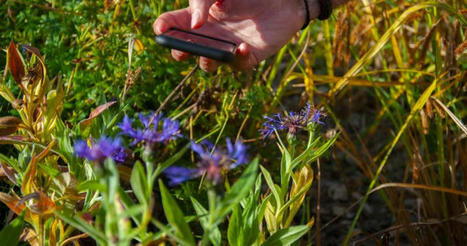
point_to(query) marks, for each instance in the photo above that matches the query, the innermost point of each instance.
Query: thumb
(199, 12)
(245, 58)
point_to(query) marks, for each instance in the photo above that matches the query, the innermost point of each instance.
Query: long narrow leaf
(286, 236)
(272, 187)
(10, 233)
(215, 234)
(175, 216)
(239, 190)
(83, 226)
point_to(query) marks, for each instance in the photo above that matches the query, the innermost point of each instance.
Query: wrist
(319, 9)
(313, 9)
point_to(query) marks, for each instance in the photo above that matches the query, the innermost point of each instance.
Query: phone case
(195, 49)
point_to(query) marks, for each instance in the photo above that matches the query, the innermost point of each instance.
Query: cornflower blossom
(150, 133)
(100, 150)
(213, 161)
(292, 122)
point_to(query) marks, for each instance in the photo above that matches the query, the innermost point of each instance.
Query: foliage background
(369, 67)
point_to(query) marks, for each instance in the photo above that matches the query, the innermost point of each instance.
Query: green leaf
(82, 225)
(11, 162)
(65, 147)
(10, 233)
(244, 222)
(49, 170)
(91, 185)
(286, 166)
(286, 236)
(214, 233)
(175, 216)
(112, 179)
(311, 154)
(128, 202)
(238, 191)
(234, 231)
(272, 186)
(169, 232)
(138, 181)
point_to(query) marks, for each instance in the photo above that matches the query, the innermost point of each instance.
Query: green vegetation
(390, 76)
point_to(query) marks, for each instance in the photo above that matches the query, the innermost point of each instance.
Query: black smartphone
(198, 44)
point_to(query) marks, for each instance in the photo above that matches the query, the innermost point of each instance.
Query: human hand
(260, 27)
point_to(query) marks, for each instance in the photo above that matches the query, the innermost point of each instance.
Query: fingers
(244, 59)
(178, 18)
(208, 65)
(180, 55)
(199, 12)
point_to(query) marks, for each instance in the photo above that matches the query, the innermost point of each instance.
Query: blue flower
(212, 162)
(292, 122)
(316, 116)
(236, 152)
(178, 175)
(150, 133)
(101, 150)
(272, 124)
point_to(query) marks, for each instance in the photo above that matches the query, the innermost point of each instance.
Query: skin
(260, 27)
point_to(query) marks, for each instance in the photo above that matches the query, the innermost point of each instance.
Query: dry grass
(409, 56)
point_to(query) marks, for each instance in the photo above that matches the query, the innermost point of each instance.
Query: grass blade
(416, 108)
(385, 38)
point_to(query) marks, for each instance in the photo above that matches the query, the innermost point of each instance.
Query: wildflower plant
(112, 154)
(99, 177)
(150, 133)
(292, 121)
(148, 179)
(295, 171)
(41, 187)
(88, 195)
(99, 151)
(213, 162)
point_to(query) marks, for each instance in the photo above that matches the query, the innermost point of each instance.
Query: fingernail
(162, 28)
(195, 18)
(219, 3)
(242, 49)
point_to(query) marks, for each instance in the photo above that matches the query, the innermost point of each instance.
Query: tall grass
(399, 50)
(408, 58)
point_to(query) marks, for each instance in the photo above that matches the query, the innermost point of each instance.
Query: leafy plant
(76, 166)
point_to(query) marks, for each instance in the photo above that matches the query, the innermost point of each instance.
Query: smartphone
(198, 44)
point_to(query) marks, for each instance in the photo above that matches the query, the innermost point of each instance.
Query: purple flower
(101, 150)
(293, 121)
(213, 161)
(155, 129)
(178, 175)
(236, 152)
(316, 116)
(272, 124)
